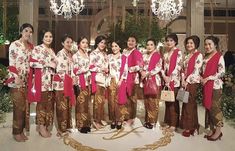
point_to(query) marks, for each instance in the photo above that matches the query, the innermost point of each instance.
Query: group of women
(37, 74)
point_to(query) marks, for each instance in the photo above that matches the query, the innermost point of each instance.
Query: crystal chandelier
(167, 9)
(67, 7)
(134, 2)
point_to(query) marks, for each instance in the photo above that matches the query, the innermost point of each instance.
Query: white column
(195, 20)
(28, 13)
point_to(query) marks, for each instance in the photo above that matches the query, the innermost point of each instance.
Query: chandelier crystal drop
(67, 7)
(167, 9)
(134, 2)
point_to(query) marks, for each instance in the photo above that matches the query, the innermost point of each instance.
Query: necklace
(210, 55)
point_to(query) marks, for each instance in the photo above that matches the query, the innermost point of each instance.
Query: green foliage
(2, 116)
(139, 28)
(228, 106)
(227, 98)
(199, 95)
(228, 102)
(12, 22)
(3, 74)
(1, 19)
(2, 39)
(5, 101)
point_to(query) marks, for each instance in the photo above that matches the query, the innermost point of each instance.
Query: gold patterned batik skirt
(20, 110)
(172, 112)
(98, 104)
(132, 103)
(214, 116)
(189, 117)
(151, 104)
(117, 112)
(45, 109)
(82, 115)
(63, 111)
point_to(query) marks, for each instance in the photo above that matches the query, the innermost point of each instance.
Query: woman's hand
(119, 82)
(184, 84)
(167, 79)
(143, 74)
(204, 81)
(53, 65)
(106, 70)
(18, 81)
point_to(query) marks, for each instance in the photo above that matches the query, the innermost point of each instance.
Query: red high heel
(197, 130)
(186, 133)
(215, 139)
(191, 132)
(148, 125)
(206, 136)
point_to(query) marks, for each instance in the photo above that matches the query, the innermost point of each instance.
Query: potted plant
(5, 102)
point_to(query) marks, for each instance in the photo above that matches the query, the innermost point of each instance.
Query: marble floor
(129, 138)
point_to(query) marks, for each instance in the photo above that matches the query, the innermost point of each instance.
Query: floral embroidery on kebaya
(114, 66)
(218, 82)
(175, 76)
(156, 70)
(47, 62)
(18, 59)
(81, 65)
(64, 66)
(194, 77)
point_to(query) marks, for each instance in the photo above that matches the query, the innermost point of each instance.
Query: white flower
(74, 48)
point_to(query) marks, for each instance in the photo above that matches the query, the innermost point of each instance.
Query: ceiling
(220, 3)
(141, 3)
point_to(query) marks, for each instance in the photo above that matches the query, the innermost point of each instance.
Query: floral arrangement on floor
(74, 48)
(228, 101)
(2, 39)
(5, 101)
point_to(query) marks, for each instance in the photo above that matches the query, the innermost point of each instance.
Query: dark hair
(98, 39)
(42, 33)
(23, 26)
(133, 36)
(65, 37)
(80, 39)
(229, 59)
(214, 39)
(151, 39)
(172, 36)
(195, 39)
(118, 42)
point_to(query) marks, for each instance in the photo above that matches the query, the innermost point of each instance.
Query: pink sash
(82, 81)
(211, 69)
(36, 75)
(30, 45)
(172, 66)
(68, 89)
(57, 78)
(93, 82)
(122, 97)
(152, 64)
(134, 59)
(14, 70)
(191, 64)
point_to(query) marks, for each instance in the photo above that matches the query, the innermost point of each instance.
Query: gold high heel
(18, 138)
(215, 139)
